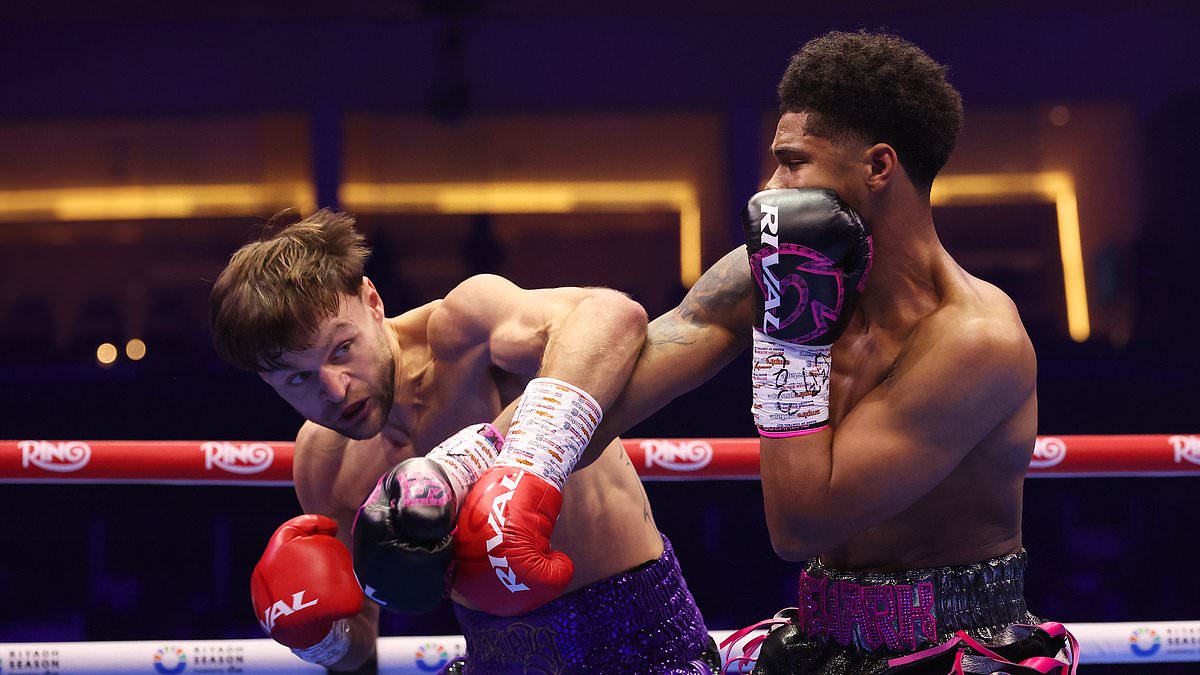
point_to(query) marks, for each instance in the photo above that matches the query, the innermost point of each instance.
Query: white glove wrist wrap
(552, 426)
(331, 649)
(466, 455)
(791, 387)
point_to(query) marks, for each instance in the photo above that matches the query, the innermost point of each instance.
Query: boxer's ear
(882, 165)
(372, 300)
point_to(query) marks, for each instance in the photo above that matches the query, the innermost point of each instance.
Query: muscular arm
(589, 337)
(319, 453)
(685, 347)
(956, 382)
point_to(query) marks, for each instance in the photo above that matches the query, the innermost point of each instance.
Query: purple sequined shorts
(915, 621)
(640, 621)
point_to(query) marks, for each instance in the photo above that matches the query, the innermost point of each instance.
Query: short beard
(387, 395)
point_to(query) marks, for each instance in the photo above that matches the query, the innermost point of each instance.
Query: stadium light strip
(542, 197)
(1055, 187)
(188, 201)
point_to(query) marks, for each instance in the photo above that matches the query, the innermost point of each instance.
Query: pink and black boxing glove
(810, 255)
(404, 532)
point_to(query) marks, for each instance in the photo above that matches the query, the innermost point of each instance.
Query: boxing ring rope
(257, 463)
(1132, 642)
(270, 463)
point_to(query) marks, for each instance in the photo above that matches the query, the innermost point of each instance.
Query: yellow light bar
(153, 201)
(1056, 187)
(550, 197)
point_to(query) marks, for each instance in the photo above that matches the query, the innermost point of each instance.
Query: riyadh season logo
(170, 659)
(1187, 448)
(218, 658)
(39, 661)
(677, 456)
(61, 457)
(239, 458)
(430, 657)
(1144, 642)
(1047, 452)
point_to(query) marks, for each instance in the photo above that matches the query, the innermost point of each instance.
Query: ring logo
(239, 458)
(681, 456)
(1144, 642)
(1187, 448)
(430, 657)
(61, 457)
(1047, 452)
(170, 659)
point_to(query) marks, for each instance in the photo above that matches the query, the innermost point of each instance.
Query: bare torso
(605, 527)
(975, 512)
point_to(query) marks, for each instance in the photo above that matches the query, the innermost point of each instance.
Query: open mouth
(352, 413)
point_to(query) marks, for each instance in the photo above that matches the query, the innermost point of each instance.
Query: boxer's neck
(908, 262)
(413, 362)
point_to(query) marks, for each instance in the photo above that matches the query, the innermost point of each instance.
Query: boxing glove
(404, 531)
(505, 565)
(303, 588)
(810, 255)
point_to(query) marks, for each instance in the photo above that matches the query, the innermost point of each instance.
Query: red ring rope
(270, 463)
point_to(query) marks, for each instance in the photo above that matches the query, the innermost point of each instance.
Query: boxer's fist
(304, 582)
(505, 565)
(810, 255)
(504, 562)
(403, 535)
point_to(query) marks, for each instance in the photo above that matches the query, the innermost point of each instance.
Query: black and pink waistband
(962, 619)
(899, 612)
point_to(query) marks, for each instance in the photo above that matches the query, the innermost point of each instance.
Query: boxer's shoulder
(318, 447)
(456, 322)
(319, 456)
(977, 336)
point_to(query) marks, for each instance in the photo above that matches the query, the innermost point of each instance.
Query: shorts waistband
(894, 612)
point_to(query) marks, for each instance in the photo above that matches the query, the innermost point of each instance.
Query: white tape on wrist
(466, 455)
(552, 426)
(790, 387)
(331, 649)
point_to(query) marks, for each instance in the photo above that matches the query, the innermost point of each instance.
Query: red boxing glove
(503, 559)
(504, 562)
(303, 585)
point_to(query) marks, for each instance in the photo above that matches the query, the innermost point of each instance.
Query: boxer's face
(345, 380)
(807, 161)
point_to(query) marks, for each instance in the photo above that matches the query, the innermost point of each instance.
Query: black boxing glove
(810, 255)
(404, 531)
(786, 649)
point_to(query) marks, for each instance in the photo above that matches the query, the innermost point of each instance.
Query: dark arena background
(607, 143)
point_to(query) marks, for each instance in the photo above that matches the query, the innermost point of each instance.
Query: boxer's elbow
(796, 544)
(624, 315)
(797, 536)
(791, 549)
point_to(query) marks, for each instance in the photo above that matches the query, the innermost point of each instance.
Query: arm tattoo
(666, 330)
(722, 295)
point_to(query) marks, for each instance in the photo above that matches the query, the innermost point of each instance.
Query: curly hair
(274, 293)
(876, 88)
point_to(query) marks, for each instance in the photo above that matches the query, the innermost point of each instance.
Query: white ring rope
(1100, 643)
